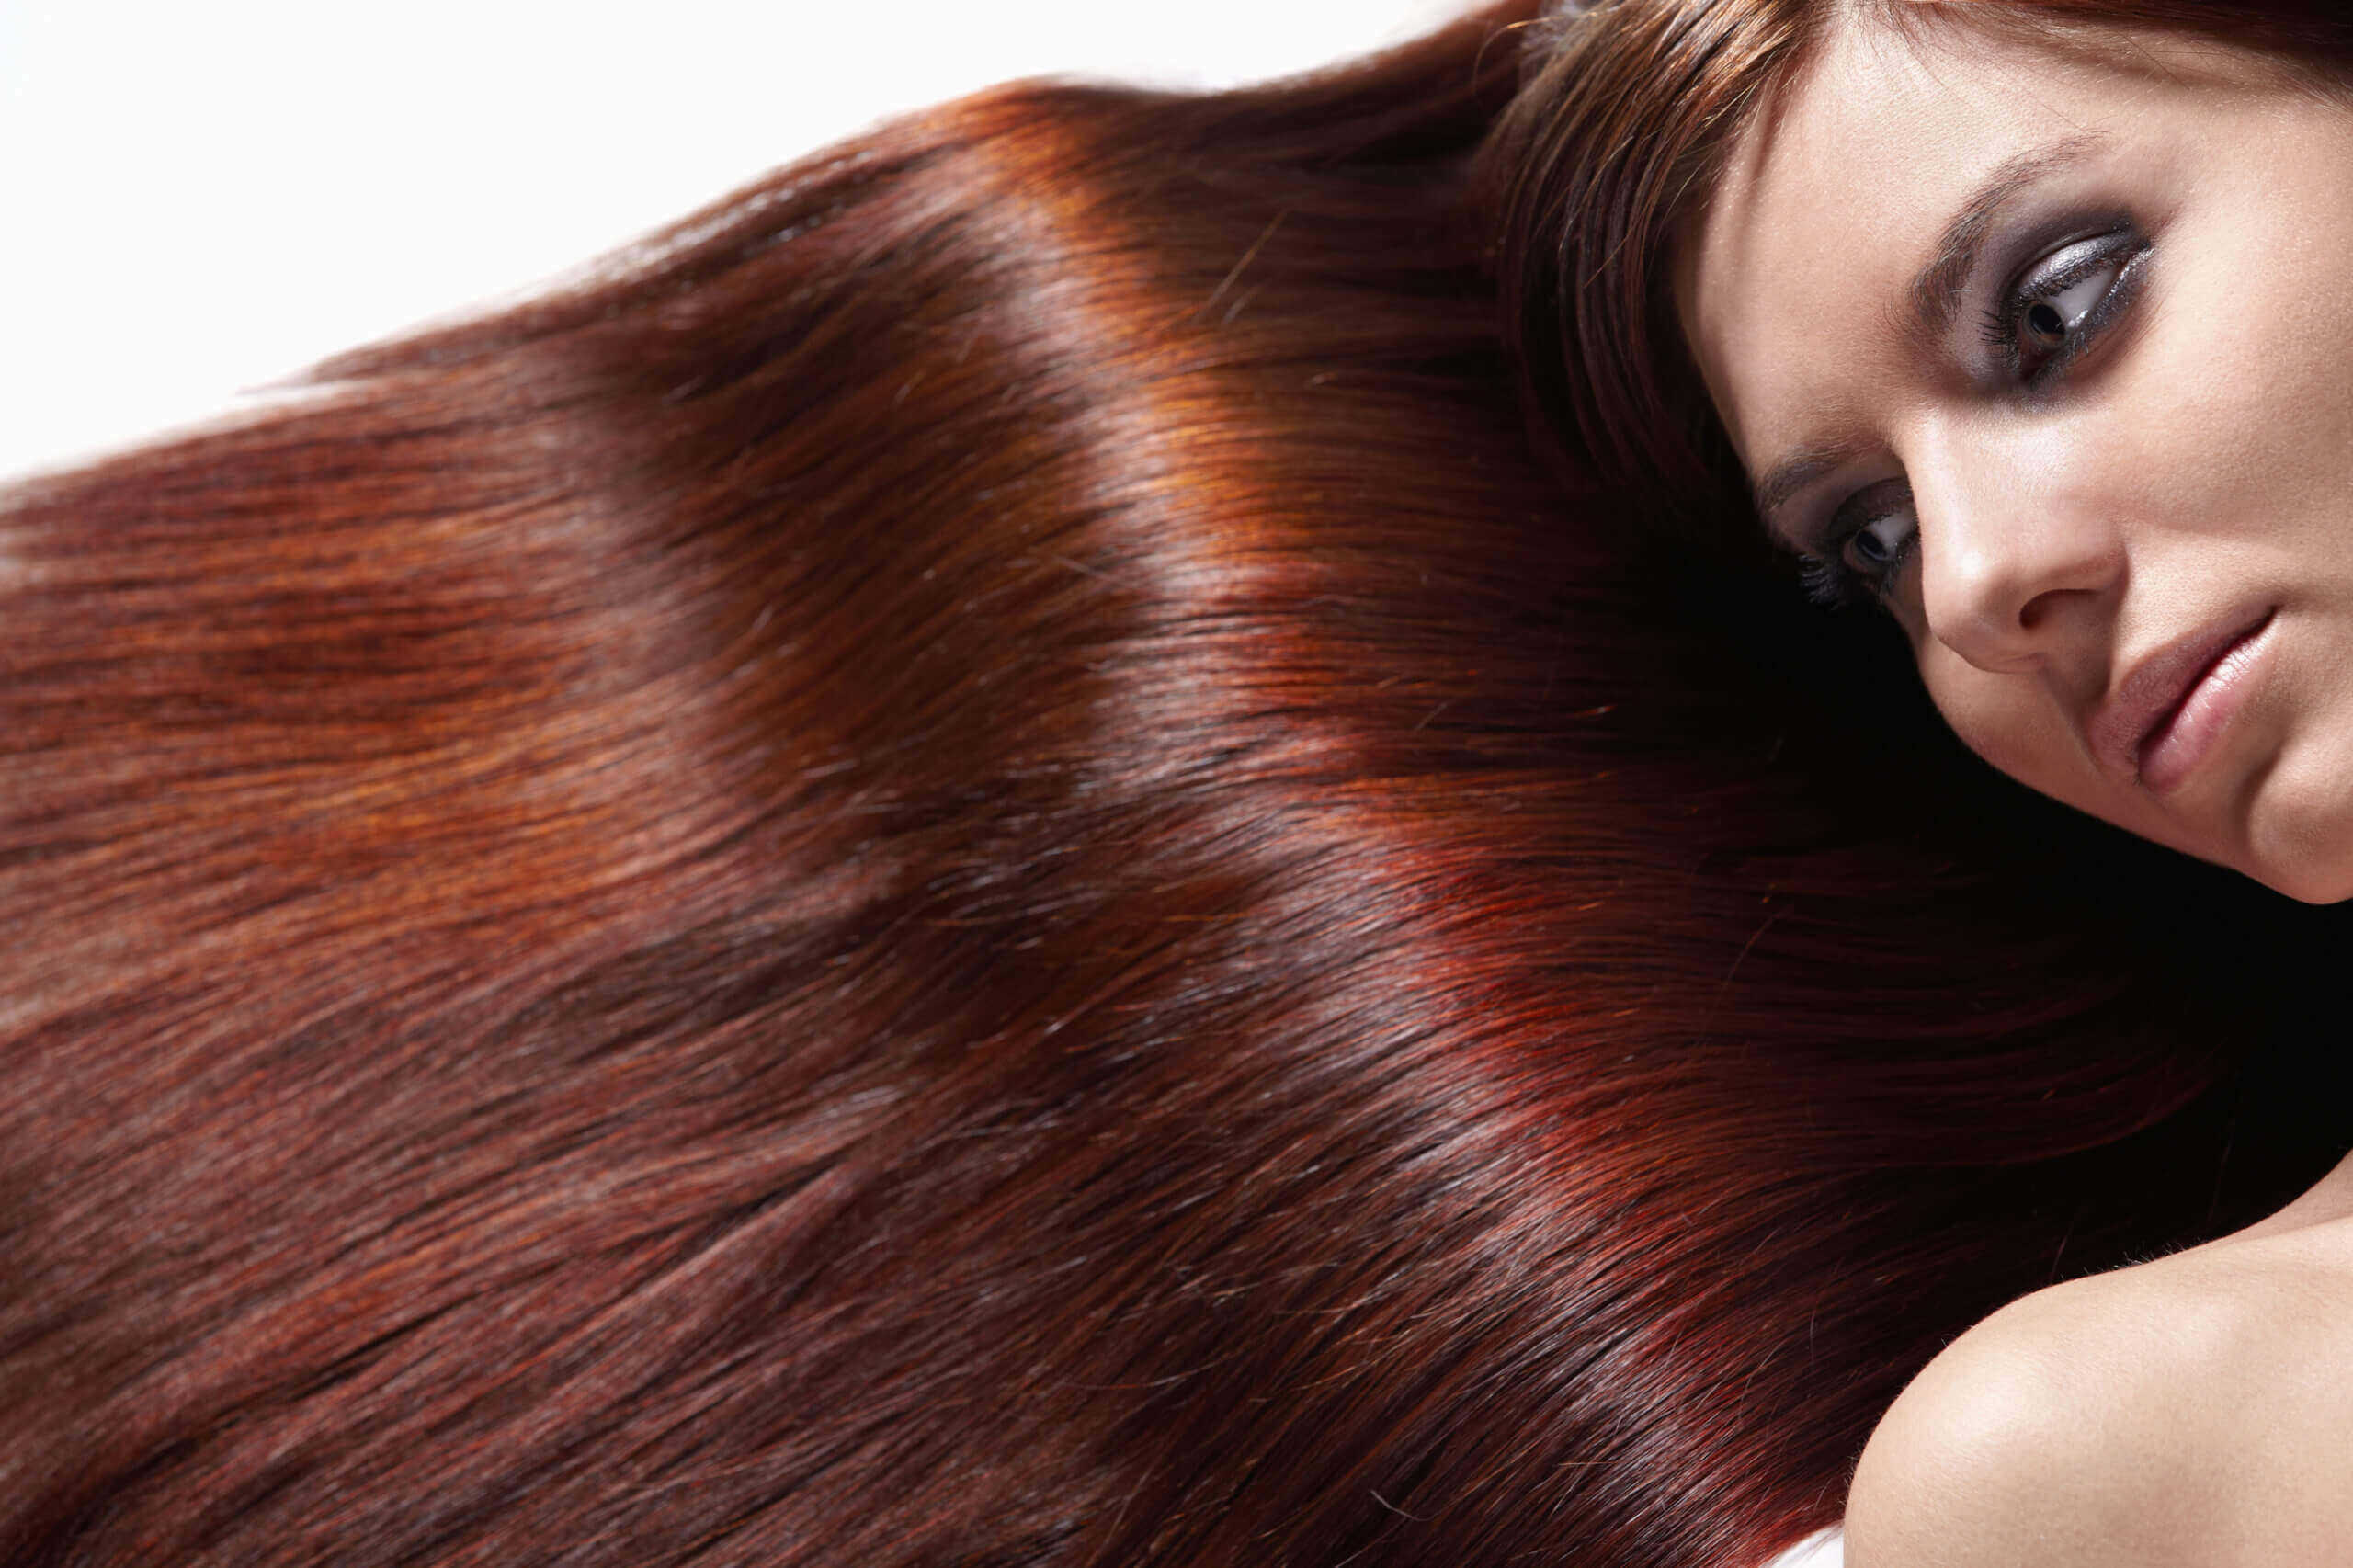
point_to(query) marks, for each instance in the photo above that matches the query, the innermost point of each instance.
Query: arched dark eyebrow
(1797, 471)
(1936, 292)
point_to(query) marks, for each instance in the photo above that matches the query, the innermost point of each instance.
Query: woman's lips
(2166, 715)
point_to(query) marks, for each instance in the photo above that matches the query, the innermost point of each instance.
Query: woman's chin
(2305, 889)
(2299, 826)
(2311, 867)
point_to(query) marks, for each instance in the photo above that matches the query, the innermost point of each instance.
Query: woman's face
(2050, 351)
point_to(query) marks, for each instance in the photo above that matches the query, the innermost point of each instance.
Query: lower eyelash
(1833, 585)
(1827, 583)
(1999, 325)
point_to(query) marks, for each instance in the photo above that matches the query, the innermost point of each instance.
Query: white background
(202, 197)
(198, 197)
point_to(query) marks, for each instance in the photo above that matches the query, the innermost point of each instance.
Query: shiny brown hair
(968, 866)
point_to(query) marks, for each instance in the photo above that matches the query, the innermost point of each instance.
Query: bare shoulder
(2194, 1410)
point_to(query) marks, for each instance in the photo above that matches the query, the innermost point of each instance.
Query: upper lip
(2155, 689)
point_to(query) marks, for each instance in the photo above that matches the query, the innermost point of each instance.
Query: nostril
(2036, 610)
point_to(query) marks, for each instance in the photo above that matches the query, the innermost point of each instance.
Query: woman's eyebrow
(1795, 471)
(1936, 293)
(1936, 299)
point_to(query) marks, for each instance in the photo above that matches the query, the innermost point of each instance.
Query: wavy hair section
(966, 866)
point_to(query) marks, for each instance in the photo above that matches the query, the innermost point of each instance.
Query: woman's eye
(2064, 300)
(1875, 551)
(1864, 548)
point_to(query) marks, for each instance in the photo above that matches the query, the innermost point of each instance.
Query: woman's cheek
(2014, 722)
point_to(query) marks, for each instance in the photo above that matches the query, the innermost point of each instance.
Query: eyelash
(2122, 248)
(1826, 577)
(1829, 582)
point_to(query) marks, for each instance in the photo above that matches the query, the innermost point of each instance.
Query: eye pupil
(1870, 547)
(2045, 323)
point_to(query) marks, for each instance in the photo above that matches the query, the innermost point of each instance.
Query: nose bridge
(2006, 551)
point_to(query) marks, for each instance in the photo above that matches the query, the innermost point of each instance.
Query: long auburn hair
(969, 865)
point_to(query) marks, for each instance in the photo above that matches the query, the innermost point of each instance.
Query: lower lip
(2168, 756)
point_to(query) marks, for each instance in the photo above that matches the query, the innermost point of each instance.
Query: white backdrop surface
(200, 197)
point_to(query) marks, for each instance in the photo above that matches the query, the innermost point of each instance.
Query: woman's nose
(2014, 572)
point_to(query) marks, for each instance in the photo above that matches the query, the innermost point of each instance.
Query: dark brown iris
(2045, 326)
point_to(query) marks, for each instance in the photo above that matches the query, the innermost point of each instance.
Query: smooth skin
(2047, 347)
(2180, 472)
(2195, 1412)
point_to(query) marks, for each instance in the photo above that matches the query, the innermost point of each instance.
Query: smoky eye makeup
(2070, 283)
(1858, 555)
(2061, 288)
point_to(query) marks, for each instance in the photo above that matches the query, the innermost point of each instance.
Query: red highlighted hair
(968, 866)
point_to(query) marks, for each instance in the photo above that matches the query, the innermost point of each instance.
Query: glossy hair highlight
(966, 866)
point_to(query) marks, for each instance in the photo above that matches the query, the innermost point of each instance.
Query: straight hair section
(966, 867)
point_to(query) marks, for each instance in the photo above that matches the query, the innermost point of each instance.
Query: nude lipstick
(2167, 715)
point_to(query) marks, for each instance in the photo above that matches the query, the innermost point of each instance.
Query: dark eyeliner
(2110, 243)
(1822, 570)
(2125, 250)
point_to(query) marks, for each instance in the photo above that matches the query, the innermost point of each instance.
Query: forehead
(1793, 282)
